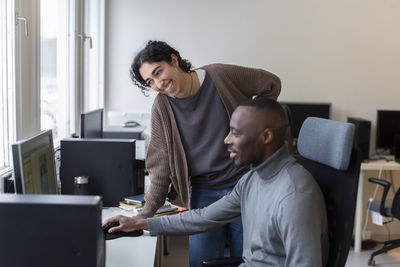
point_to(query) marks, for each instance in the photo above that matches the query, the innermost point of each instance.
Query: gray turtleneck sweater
(283, 215)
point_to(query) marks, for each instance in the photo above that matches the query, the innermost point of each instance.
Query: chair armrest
(222, 262)
(386, 186)
(380, 182)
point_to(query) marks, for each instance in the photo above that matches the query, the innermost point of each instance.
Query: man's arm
(194, 221)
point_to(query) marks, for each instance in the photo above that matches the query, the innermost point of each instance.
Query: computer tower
(51, 230)
(110, 165)
(397, 148)
(361, 136)
(114, 132)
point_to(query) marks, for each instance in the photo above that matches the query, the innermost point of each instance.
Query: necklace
(191, 83)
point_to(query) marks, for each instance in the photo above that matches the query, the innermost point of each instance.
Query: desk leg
(158, 259)
(359, 212)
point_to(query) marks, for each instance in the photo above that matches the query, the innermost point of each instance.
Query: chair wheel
(371, 262)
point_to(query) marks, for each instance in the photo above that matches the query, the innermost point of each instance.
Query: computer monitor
(92, 124)
(387, 127)
(34, 165)
(51, 230)
(110, 165)
(300, 111)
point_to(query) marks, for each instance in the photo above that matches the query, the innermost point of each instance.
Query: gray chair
(325, 149)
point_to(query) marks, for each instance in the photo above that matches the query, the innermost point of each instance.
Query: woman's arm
(157, 163)
(244, 80)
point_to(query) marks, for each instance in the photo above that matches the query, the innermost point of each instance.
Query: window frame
(7, 83)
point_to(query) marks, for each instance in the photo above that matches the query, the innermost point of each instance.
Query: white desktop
(129, 251)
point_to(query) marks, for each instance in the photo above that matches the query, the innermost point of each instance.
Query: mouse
(130, 124)
(109, 236)
(109, 226)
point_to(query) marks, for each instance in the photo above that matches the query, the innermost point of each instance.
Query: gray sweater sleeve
(300, 229)
(195, 221)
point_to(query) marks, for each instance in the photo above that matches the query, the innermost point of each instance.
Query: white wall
(346, 52)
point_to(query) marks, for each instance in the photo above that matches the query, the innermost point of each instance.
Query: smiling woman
(153, 60)
(168, 79)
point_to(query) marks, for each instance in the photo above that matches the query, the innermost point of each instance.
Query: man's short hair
(266, 104)
(279, 120)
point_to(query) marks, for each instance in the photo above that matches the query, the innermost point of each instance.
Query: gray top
(203, 124)
(283, 215)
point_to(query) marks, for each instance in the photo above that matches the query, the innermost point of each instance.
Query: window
(94, 54)
(6, 84)
(48, 72)
(56, 57)
(55, 65)
(71, 62)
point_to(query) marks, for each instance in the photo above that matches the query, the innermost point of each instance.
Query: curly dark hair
(155, 51)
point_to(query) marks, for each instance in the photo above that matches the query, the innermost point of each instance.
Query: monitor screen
(300, 111)
(34, 165)
(51, 230)
(92, 124)
(387, 127)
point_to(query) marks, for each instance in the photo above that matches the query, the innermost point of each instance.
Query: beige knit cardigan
(165, 159)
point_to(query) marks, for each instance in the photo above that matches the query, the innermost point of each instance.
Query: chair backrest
(396, 205)
(325, 148)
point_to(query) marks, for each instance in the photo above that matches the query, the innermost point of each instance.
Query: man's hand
(127, 224)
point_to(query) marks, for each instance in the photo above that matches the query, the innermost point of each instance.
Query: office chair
(388, 209)
(325, 150)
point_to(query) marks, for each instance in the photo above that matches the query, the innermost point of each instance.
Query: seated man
(282, 207)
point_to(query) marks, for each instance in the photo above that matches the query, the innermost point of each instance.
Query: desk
(368, 166)
(129, 251)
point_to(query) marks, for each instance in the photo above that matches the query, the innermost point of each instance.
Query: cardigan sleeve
(237, 84)
(157, 163)
(253, 82)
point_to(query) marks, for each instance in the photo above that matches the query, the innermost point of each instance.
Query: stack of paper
(137, 202)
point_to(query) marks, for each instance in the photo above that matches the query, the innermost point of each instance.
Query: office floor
(384, 260)
(178, 245)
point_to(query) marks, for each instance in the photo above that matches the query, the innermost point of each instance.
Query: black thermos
(81, 185)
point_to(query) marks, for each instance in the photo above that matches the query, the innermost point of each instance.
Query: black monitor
(34, 165)
(51, 230)
(387, 128)
(109, 163)
(300, 111)
(92, 124)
